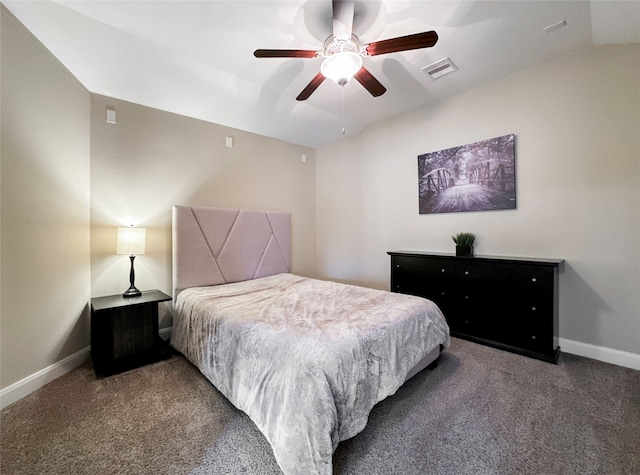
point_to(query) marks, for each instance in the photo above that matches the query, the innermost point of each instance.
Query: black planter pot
(464, 250)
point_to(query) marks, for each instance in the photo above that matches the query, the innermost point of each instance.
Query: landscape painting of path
(478, 176)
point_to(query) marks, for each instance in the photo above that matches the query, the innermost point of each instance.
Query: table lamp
(131, 242)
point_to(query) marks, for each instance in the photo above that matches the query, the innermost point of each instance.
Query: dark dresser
(509, 303)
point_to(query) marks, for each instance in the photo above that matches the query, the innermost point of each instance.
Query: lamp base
(132, 292)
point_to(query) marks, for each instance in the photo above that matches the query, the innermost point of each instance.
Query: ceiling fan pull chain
(342, 110)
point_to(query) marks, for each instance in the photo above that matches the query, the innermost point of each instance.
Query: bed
(305, 359)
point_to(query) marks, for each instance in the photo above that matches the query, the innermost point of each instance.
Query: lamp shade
(131, 241)
(341, 67)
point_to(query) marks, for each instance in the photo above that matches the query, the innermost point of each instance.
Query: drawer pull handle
(398, 266)
(533, 337)
(466, 321)
(442, 270)
(466, 272)
(534, 280)
(442, 293)
(466, 297)
(398, 286)
(533, 308)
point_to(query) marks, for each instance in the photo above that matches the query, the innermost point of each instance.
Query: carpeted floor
(481, 411)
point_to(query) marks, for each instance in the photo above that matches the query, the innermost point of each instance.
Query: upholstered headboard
(214, 246)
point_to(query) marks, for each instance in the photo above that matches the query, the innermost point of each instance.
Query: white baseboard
(26, 386)
(600, 353)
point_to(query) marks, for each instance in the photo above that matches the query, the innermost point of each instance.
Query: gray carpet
(481, 411)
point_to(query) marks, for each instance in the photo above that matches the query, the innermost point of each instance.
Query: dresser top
(448, 255)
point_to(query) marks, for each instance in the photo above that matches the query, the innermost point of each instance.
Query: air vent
(440, 68)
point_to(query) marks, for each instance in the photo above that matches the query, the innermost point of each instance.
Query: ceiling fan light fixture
(341, 67)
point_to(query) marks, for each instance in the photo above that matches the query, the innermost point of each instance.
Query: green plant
(464, 239)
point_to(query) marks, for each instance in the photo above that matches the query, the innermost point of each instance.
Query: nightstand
(124, 332)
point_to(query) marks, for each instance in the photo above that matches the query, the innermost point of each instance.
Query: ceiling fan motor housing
(333, 45)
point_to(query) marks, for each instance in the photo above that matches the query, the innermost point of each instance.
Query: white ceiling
(195, 58)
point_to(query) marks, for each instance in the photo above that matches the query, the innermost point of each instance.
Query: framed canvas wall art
(479, 176)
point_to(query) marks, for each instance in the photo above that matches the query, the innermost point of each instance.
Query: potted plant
(464, 243)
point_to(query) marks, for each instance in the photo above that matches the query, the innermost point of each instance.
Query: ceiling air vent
(440, 68)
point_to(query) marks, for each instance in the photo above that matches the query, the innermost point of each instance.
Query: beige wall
(44, 207)
(577, 126)
(150, 160)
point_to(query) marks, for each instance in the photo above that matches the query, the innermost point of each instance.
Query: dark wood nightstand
(124, 332)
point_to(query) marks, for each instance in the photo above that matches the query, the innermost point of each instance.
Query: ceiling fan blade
(343, 11)
(402, 43)
(370, 83)
(312, 86)
(285, 53)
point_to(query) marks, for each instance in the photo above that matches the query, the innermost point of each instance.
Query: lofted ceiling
(195, 58)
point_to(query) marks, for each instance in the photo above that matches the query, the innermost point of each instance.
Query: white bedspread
(306, 359)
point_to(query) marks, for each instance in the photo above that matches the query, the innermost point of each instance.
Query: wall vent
(440, 68)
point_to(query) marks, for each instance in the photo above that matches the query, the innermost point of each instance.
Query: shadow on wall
(45, 241)
(580, 299)
(79, 331)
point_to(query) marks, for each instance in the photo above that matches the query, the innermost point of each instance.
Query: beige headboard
(213, 246)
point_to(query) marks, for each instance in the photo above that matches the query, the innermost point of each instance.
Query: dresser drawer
(432, 279)
(424, 277)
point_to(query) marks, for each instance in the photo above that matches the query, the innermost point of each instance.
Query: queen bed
(305, 359)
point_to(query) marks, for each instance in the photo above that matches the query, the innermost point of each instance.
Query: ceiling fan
(343, 53)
